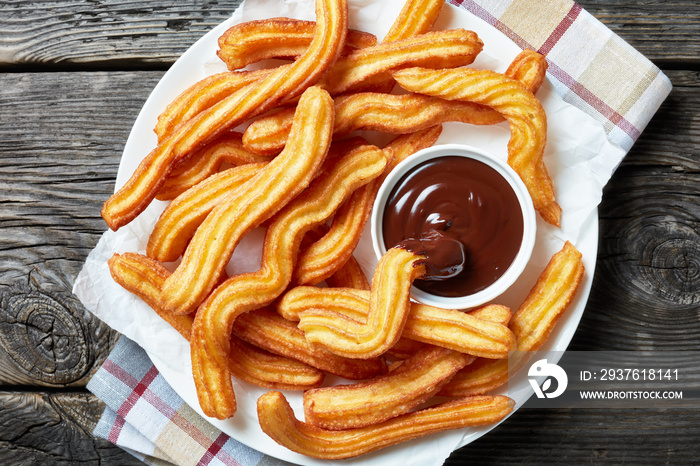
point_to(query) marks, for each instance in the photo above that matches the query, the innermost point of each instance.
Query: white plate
(570, 156)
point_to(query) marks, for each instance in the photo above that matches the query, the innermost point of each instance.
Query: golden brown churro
(528, 122)
(416, 17)
(448, 328)
(396, 114)
(282, 83)
(278, 421)
(256, 201)
(374, 401)
(456, 47)
(389, 306)
(179, 221)
(532, 322)
(242, 293)
(252, 41)
(144, 277)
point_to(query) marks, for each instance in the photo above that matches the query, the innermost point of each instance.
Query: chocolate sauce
(463, 216)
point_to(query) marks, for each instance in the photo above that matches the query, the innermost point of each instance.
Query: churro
(256, 201)
(396, 114)
(282, 83)
(389, 306)
(245, 292)
(531, 323)
(278, 421)
(528, 122)
(374, 401)
(337, 308)
(437, 49)
(252, 41)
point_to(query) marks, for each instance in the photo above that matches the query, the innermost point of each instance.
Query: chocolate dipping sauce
(463, 215)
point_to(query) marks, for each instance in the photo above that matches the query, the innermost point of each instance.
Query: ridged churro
(252, 41)
(319, 260)
(530, 68)
(531, 323)
(202, 95)
(181, 218)
(206, 162)
(385, 397)
(245, 292)
(278, 421)
(528, 122)
(144, 277)
(448, 328)
(265, 329)
(416, 17)
(455, 47)
(256, 201)
(282, 83)
(388, 309)
(396, 114)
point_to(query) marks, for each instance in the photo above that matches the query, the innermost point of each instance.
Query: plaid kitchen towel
(590, 67)
(148, 419)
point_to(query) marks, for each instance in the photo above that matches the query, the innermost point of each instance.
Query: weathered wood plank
(645, 293)
(54, 428)
(127, 34)
(57, 165)
(615, 436)
(109, 34)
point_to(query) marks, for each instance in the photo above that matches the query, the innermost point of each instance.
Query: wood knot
(673, 268)
(43, 337)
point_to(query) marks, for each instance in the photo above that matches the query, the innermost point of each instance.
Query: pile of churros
(277, 148)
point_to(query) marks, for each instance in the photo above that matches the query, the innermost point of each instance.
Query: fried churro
(371, 402)
(477, 335)
(256, 201)
(389, 306)
(416, 17)
(144, 277)
(531, 323)
(528, 122)
(456, 47)
(278, 421)
(396, 114)
(282, 83)
(252, 41)
(245, 292)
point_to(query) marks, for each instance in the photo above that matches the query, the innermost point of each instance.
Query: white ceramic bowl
(529, 222)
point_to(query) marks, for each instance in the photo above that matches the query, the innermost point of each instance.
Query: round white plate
(569, 170)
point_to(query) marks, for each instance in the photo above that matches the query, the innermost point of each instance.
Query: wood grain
(104, 34)
(73, 76)
(54, 428)
(137, 35)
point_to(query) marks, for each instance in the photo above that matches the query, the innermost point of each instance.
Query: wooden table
(73, 76)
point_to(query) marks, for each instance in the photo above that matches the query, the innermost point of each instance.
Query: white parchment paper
(579, 157)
